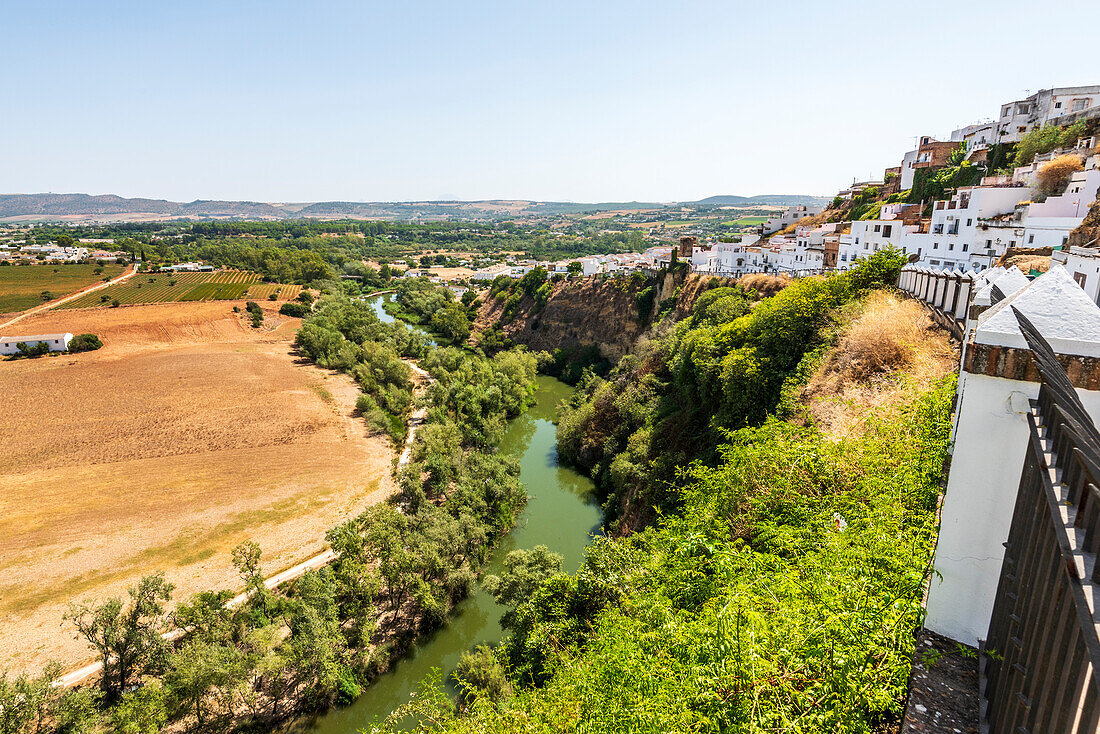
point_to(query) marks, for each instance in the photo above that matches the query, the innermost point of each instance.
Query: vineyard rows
(221, 285)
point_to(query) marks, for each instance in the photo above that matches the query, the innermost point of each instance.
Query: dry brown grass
(764, 285)
(186, 434)
(889, 346)
(1053, 176)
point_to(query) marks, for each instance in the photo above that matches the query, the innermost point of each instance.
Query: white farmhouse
(56, 342)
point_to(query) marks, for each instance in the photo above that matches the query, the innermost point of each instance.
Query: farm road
(52, 304)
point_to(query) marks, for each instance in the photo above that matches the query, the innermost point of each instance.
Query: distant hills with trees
(82, 207)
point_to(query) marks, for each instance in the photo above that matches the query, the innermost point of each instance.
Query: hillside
(54, 207)
(780, 587)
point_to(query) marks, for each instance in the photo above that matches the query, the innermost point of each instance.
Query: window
(887, 229)
(989, 243)
(965, 247)
(1030, 238)
(950, 245)
(935, 245)
(969, 222)
(1057, 105)
(1079, 104)
(878, 227)
(1022, 129)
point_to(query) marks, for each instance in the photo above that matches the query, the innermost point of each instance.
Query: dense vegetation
(721, 369)
(422, 302)
(783, 596)
(346, 335)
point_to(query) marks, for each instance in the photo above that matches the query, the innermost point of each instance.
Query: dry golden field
(186, 434)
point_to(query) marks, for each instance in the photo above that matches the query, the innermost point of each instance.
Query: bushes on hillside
(85, 343)
(782, 596)
(296, 310)
(1054, 175)
(723, 368)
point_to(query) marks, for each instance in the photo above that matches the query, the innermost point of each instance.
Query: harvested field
(21, 286)
(221, 285)
(188, 433)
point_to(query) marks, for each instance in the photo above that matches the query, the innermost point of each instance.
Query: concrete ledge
(1013, 363)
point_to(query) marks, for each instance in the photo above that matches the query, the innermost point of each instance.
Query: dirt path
(416, 420)
(75, 294)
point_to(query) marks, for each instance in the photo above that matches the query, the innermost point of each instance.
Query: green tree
(203, 679)
(524, 571)
(480, 675)
(126, 637)
(141, 711)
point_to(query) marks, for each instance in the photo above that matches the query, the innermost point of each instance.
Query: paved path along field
(77, 294)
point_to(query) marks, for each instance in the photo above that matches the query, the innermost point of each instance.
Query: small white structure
(56, 342)
(991, 436)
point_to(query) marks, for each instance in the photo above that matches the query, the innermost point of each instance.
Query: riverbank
(562, 514)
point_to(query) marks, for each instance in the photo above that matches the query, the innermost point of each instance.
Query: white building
(56, 342)
(490, 273)
(978, 136)
(1045, 106)
(790, 216)
(1048, 223)
(970, 230)
(908, 162)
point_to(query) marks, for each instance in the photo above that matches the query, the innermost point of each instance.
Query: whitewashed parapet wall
(946, 292)
(997, 381)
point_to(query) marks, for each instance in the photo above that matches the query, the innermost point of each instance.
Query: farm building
(56, 342)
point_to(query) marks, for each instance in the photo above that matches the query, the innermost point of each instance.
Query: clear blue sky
(582, 101)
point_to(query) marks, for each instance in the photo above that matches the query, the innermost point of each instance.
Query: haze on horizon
(614, 101)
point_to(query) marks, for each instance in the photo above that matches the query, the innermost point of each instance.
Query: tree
(85, 343)
(480, 675)
(26, 702)
(246, 559)
(76, 711)
(141, 711)
(524, 570)
(206, 616)
(575, 268)
(202, 679)
(126, 638)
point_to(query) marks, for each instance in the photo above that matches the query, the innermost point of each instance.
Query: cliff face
(585, 311)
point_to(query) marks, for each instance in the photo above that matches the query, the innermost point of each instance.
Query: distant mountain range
(109, 207)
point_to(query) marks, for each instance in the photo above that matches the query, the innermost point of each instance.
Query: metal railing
(1041, 658)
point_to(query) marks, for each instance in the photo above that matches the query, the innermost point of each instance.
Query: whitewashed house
(1048, 223)
(790, 216)
(56, 342)
(970, 230)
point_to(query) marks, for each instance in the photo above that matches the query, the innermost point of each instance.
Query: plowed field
(186, 434)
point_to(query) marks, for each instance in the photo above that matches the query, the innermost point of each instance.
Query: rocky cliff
(593, 311)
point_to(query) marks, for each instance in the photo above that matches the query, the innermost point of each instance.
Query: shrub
(296, 310)
(1053, 176)
(85, 343)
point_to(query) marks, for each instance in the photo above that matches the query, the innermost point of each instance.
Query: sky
(566, 101)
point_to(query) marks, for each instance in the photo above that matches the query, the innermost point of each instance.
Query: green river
(562, 514)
